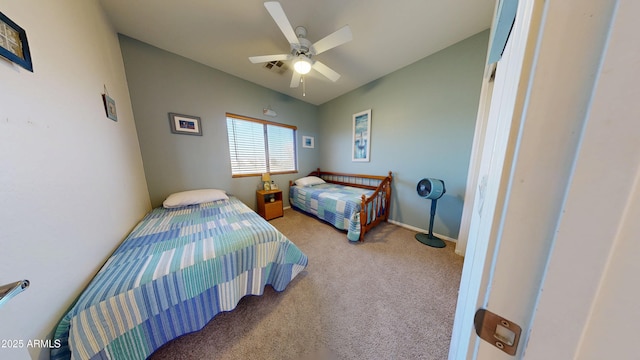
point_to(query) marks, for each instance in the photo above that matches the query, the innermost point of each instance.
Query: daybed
(351, 202)
(176, 270)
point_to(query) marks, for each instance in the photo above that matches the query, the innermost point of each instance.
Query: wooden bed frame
(379, 201)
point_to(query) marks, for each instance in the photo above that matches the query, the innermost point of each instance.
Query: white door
(491, 165)
(542, 95)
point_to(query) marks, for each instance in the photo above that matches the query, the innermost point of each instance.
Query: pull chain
(304, 86)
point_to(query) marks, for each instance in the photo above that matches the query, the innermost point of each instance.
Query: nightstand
(269, 209)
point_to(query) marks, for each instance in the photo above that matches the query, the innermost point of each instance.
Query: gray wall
(161, 82)
(423, 120)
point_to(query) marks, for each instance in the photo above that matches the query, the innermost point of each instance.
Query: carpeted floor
(390, 297)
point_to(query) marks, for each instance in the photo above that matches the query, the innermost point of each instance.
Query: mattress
(174, 272)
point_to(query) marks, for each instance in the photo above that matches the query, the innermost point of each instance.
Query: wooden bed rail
(356, 180)
(375, 208)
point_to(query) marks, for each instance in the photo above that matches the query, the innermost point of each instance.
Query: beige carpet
(390, 297)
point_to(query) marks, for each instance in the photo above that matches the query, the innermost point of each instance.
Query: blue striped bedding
(339, 205)
(176, 270)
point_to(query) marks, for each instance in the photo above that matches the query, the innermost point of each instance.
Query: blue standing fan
(431, 189)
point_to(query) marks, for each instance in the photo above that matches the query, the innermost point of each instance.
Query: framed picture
(13, 43)
(110, 107)
(185, 124)
(361, 142)
(307, 142)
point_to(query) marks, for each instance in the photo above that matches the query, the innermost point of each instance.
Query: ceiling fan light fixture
(302, 65)
(301, 49)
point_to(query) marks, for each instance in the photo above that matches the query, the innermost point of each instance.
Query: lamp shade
(266, 177)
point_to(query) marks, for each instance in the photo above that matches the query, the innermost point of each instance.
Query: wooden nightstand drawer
(273, 209)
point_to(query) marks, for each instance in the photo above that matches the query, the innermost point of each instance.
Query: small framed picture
(307, 142)
(185, 124)
(110, 107)
(13, 43)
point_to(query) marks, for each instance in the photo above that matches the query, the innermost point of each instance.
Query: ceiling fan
(302, 50)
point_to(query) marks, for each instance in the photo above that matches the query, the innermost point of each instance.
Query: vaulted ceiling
(387, 35)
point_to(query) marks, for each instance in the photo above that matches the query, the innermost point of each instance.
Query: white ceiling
(387, 35)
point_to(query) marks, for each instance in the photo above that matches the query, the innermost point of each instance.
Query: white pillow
(191, 197)
(309, 180)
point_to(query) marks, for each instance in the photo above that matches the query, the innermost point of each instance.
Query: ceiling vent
(276, 66)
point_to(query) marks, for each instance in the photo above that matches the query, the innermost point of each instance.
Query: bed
(175, 271)
(352, 202)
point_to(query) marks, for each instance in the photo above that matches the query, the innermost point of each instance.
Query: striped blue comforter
(176, 270)
(339, 205)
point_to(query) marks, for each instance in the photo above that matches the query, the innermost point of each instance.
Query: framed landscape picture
(361, 142)
(185, 124)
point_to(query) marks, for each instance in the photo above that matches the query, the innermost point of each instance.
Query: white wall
(71, 180)
(614, 320)
(588, 306)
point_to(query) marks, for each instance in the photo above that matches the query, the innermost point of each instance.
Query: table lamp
(266, 181)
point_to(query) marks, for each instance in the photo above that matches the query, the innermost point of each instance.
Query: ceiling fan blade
(269, 58)
(295, 79)
(326, 71)
(337, 38)
(277, 13)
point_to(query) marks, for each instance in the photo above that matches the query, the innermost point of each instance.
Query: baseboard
(417, 229)
(412, 228)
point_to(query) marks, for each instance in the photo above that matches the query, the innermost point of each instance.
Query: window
(259, 146)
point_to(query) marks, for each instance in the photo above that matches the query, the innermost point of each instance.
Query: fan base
(430, 240)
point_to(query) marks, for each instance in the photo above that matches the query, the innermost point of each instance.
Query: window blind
(281, 149)
(259, 146)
